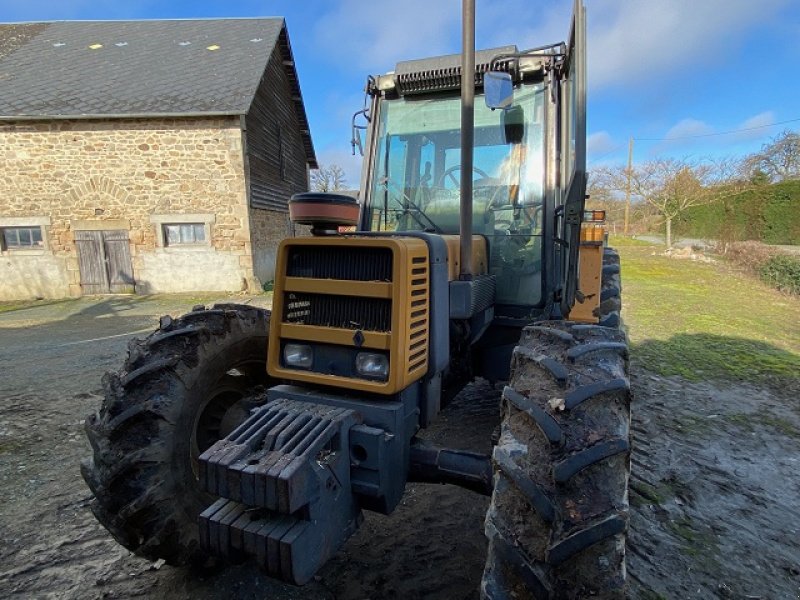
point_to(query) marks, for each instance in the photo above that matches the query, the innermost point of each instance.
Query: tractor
(235, 433)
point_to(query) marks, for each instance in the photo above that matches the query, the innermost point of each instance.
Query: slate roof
(117, 69)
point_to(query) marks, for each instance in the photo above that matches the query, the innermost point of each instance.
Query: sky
(676, 75)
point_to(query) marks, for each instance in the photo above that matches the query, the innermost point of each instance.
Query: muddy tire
(610, 290)
(559, 511)
(181, 389)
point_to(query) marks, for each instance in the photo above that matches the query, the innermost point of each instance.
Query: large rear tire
(181, 389)
(608, 312)
(559, 511)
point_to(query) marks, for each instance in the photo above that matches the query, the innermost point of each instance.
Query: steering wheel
(532, 212)
(449, 173)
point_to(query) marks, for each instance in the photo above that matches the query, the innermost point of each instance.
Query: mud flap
(283, 478)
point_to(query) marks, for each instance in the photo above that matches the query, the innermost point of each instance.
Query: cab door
(572, 176)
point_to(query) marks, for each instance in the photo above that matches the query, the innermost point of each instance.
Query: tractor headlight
(372, 365)
(298, 356)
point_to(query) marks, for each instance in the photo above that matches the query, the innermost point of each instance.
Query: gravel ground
(714, 490)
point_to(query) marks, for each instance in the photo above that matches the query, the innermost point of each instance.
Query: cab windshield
(418, 173)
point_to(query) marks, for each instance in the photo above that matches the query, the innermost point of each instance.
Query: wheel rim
(224, 407)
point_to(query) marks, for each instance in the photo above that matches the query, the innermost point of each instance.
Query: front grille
(340, 262)
(346, 312)
(348, 294)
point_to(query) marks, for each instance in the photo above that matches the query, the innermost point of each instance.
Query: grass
(11, 446)
(697, 542)
(665, 490)
(706, 321)
(651, 595)
(748, 421)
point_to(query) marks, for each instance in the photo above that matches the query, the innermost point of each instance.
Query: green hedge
(770, 214)
(782, 272)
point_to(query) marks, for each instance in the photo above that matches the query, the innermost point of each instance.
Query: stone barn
(147, 156)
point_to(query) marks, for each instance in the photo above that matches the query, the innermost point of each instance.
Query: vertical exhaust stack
(467, 134)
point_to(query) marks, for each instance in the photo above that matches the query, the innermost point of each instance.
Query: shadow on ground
(700, 357)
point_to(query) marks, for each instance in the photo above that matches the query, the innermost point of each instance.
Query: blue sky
(686, 69)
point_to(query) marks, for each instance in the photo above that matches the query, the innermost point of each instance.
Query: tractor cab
(523, 164)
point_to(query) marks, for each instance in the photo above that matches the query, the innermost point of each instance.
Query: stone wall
(268, 228)
(126, 174)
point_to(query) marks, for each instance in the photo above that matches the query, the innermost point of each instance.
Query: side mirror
(355, 140)
(498, 89)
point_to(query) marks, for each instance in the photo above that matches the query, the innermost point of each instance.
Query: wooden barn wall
(273, 111)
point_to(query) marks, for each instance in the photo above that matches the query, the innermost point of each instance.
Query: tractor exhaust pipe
(467, 135)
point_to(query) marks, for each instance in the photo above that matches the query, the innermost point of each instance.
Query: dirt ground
(714, 496)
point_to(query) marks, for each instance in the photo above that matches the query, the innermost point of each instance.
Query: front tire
(181, 389)
(559, 511)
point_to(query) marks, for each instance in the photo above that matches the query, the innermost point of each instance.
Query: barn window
(191, 231)
(178, 234)
(22, 238)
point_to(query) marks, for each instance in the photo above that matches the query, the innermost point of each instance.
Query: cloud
(633, 41)
(341, 155)
(508, 22)
(764, 119)
(693, 134)
(372, 35)
(642, 40)
(686, 133)
(691, 131)
(599, 144)
(756, 126)
(688, 128)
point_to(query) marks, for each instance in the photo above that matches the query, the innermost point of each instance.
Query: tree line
(668, 192)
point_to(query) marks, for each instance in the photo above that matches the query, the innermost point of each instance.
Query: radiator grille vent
(346, 312)
(338, 262)
(418, 316)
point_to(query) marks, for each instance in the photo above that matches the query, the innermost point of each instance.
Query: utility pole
(628, 187)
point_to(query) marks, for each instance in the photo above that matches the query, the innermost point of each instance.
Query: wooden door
(118, 261)
(105, 262)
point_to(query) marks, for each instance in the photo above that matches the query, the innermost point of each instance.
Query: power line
(704, 135)
(602, 156)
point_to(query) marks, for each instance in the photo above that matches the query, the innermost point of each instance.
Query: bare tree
(602, 195)
(779, 159)
(669, 186)
(328, 179)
